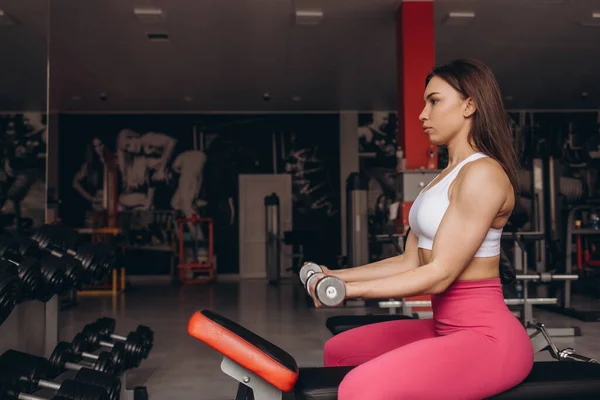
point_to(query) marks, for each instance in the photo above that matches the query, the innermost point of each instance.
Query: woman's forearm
(423, 280)
(377, 270)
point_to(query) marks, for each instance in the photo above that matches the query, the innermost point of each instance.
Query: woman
(474, 347)
(152, 158)
(89, 179)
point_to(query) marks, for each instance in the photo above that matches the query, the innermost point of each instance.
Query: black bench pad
(547, 380)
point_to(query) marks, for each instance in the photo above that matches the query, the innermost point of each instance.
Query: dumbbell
(17, 385)
(7, 394)
(108, 325)
(96, 259)
(308, 270)
(330, 290)
(9, 290)
(114, 362)
(53, 279)
(59, 362)
(72, 267)
(133, 349)
(42, 368)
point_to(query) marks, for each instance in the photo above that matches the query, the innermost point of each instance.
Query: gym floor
(181, 367)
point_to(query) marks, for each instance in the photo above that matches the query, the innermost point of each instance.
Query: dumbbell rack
(32, 328)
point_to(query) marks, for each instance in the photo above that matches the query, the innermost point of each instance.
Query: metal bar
(427, 303)
(548, 278)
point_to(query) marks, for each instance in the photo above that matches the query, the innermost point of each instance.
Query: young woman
(474, 347)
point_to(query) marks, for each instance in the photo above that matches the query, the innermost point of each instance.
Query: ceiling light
(461, 14)
(459, 18)
(149, 14)
(596, 14)
(309, 17)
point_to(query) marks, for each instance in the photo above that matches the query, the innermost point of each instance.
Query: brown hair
(491, 133)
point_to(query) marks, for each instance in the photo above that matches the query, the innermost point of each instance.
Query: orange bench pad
(239, 350)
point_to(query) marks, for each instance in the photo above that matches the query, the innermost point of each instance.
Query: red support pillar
(415, 44)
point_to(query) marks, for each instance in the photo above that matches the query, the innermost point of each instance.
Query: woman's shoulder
(484, 176)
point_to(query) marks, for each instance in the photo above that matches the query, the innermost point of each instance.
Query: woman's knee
(333, 352)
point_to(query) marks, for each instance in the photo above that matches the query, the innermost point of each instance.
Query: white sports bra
(430, 206)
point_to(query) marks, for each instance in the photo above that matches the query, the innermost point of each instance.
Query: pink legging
(473, 348)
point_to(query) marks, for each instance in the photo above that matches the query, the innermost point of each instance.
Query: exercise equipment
(266, 371)
(577, 232)
(53, 278)
(9, 291)
(69, 389)
(111, 362)
(273, 234)
(74, 273)
(21, 380)
(47, 369)
(96, 259)
(357, 225)
(129, 354)
(108, 325)
(7, 394)
(329, 290)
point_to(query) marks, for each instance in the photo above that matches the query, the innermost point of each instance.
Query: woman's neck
(457, 152)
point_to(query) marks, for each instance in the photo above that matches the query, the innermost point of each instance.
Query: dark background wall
(305, 145)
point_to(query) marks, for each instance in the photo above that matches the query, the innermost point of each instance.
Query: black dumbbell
(108, 326)
(53, 279)
(330, 290)
(133, 346)
(23, 380)
(96, 259)
(9, 290)
(44, 369)
(113, 362)
(6, 393)
(72, 267)
(59, 362)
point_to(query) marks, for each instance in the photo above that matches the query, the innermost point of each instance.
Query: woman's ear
(469, 108)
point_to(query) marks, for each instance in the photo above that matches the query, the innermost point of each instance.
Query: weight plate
(307, 270)
(109, 382)
(330, 291)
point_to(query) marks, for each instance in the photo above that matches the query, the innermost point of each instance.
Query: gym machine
(267, 372)
(357, 225)
(273, 238)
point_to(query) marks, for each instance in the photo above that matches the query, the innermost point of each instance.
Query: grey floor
(181, 367)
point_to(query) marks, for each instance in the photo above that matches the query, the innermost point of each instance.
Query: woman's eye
(434, 101)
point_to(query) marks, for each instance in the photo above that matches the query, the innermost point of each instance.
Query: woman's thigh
(359, 345)
(464, 365)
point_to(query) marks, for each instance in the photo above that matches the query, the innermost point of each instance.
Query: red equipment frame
(196, 266)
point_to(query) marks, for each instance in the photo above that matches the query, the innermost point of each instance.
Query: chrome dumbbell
(307, 271)
(330, 291)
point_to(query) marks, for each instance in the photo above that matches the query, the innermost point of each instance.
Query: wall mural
(190, 165)
(22, 170)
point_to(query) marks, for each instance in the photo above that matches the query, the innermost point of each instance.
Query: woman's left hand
(312, 288)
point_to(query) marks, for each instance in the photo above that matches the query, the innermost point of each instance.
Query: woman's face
(131, 145)
(446, 114)
(98, 146)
